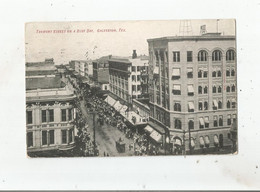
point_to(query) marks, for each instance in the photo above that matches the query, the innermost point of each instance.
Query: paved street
(106, 136)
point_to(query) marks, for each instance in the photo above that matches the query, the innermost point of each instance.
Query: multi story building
(49, 110)
(125, 77)
(192, 89)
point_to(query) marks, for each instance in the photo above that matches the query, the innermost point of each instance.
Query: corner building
(192, 89)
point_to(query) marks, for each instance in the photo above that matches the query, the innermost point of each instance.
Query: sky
(83, 45)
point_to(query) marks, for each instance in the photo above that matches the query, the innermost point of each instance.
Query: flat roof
(194, 38)
(44, 83)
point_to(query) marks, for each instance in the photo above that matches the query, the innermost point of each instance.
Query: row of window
(203, 105)
(204, 122)
(177, 89)
(202, 56)
(201, 73)
(48, 137)
(138, 68)
(48, 115)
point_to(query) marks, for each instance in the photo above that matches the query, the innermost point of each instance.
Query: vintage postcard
(131, 88)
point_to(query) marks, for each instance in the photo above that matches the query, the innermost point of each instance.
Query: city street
(106, 136)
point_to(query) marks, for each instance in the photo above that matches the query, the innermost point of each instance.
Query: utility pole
(184, 149)
(190, 141)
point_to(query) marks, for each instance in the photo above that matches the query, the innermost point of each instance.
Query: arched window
(219, 73)
(219, 104)
(216, 55)
(233, 88)
(228, 89)
(228, 104)
(214, 89)
(219, 89)
(199, 74)
(205, 74)
(200, 89)
(214, 73)
(228, 73)
(233, 72)
(220, 121)
(202, 56)
(205, 89)
(205, 105)
(191, 124)
(230, 55)
(177, 123)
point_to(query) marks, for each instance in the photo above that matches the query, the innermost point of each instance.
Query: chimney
(109, 56)
(134, 54)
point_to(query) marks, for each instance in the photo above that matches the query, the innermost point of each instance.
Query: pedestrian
(107, 154)
(104, 153)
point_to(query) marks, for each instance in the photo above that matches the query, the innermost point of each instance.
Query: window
(216, 55)
(190, 106)
(63, 115)
(214, 74)
(29, 139)
(63, 136)
(200, 89)
(233, 103)
(44, 116)
(51, 133)
(205, 89)
(70, 135)
(190, 90)
(138, 68)
(177, 124)
(189, 73)
(205, 105)
(230, 55)
(200, 105)
(191, 124)
(176, 56)
(176, 74)
(234, 118)
(189, 56)
(215, 122)
(138, 87)
(29, 117)
(228, 73)
(138, 77)
(70, 114)
(228, 104)
(51, 115)
(177, 106)
(214, 89)
(206, 119)
(133, 78)
(233, 72)
(201, 123)
(133, 68)
(220, 120)
(228, 89)
(219, 89)
(176, 90)
(229, 119)
(233, 88)
(44, 137)
(202, 56)
(205, 74)
(200, 74)
(215, 105)
(219, 73)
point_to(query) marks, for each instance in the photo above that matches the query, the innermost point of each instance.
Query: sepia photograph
(131, 88)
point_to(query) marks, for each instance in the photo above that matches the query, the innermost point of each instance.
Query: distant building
(126, 79)
(192, 86)
(49, 110)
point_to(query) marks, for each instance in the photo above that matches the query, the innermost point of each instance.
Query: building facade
(125, 79)
(50, 113)
(192, 89)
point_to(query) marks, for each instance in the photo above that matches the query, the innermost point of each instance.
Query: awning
(156, 136)
(190, 89)
(207, 140)
(206, 120)
(233, 100)
(176, 72)
(191, 105)
(110, 100)
(177, 142)
(192, 143)
(215, 103)
(177, 87)
(189, 70)
(123, 109)
(202, 141)
(216, 139)
(117, 106)
(156, 70)
(201, 121)
(148, 129)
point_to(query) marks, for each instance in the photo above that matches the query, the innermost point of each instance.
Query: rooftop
(44, 83)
